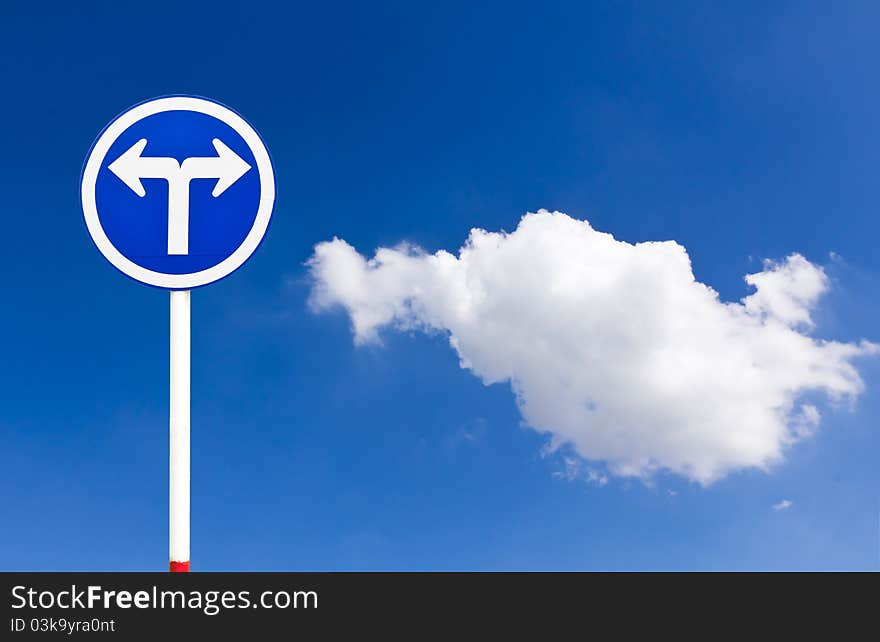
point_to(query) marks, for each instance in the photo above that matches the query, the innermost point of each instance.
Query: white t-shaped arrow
(227, 167)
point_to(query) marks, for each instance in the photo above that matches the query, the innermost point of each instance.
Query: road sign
(177, 192)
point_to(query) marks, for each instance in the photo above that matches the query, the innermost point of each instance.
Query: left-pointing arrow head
(127, 167)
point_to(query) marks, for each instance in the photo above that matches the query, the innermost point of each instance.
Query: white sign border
(264, 209)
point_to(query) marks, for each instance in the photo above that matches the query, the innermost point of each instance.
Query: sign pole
(178, 480)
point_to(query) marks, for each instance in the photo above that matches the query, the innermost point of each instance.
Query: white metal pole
(178, 525)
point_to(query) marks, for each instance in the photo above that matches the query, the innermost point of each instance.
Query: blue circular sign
(177, 192)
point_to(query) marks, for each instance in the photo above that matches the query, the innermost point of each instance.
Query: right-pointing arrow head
(232, 167)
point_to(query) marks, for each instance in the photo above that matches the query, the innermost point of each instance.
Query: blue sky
(742, 132)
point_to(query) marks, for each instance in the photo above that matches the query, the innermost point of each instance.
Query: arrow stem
(178, 215)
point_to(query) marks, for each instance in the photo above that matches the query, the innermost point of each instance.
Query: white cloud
(571, 469)
(787, 291)
(784, 504)
(612, 349)
(597, 477)
(574, 468)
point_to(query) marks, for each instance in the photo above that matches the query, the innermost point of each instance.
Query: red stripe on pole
(180, 567)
